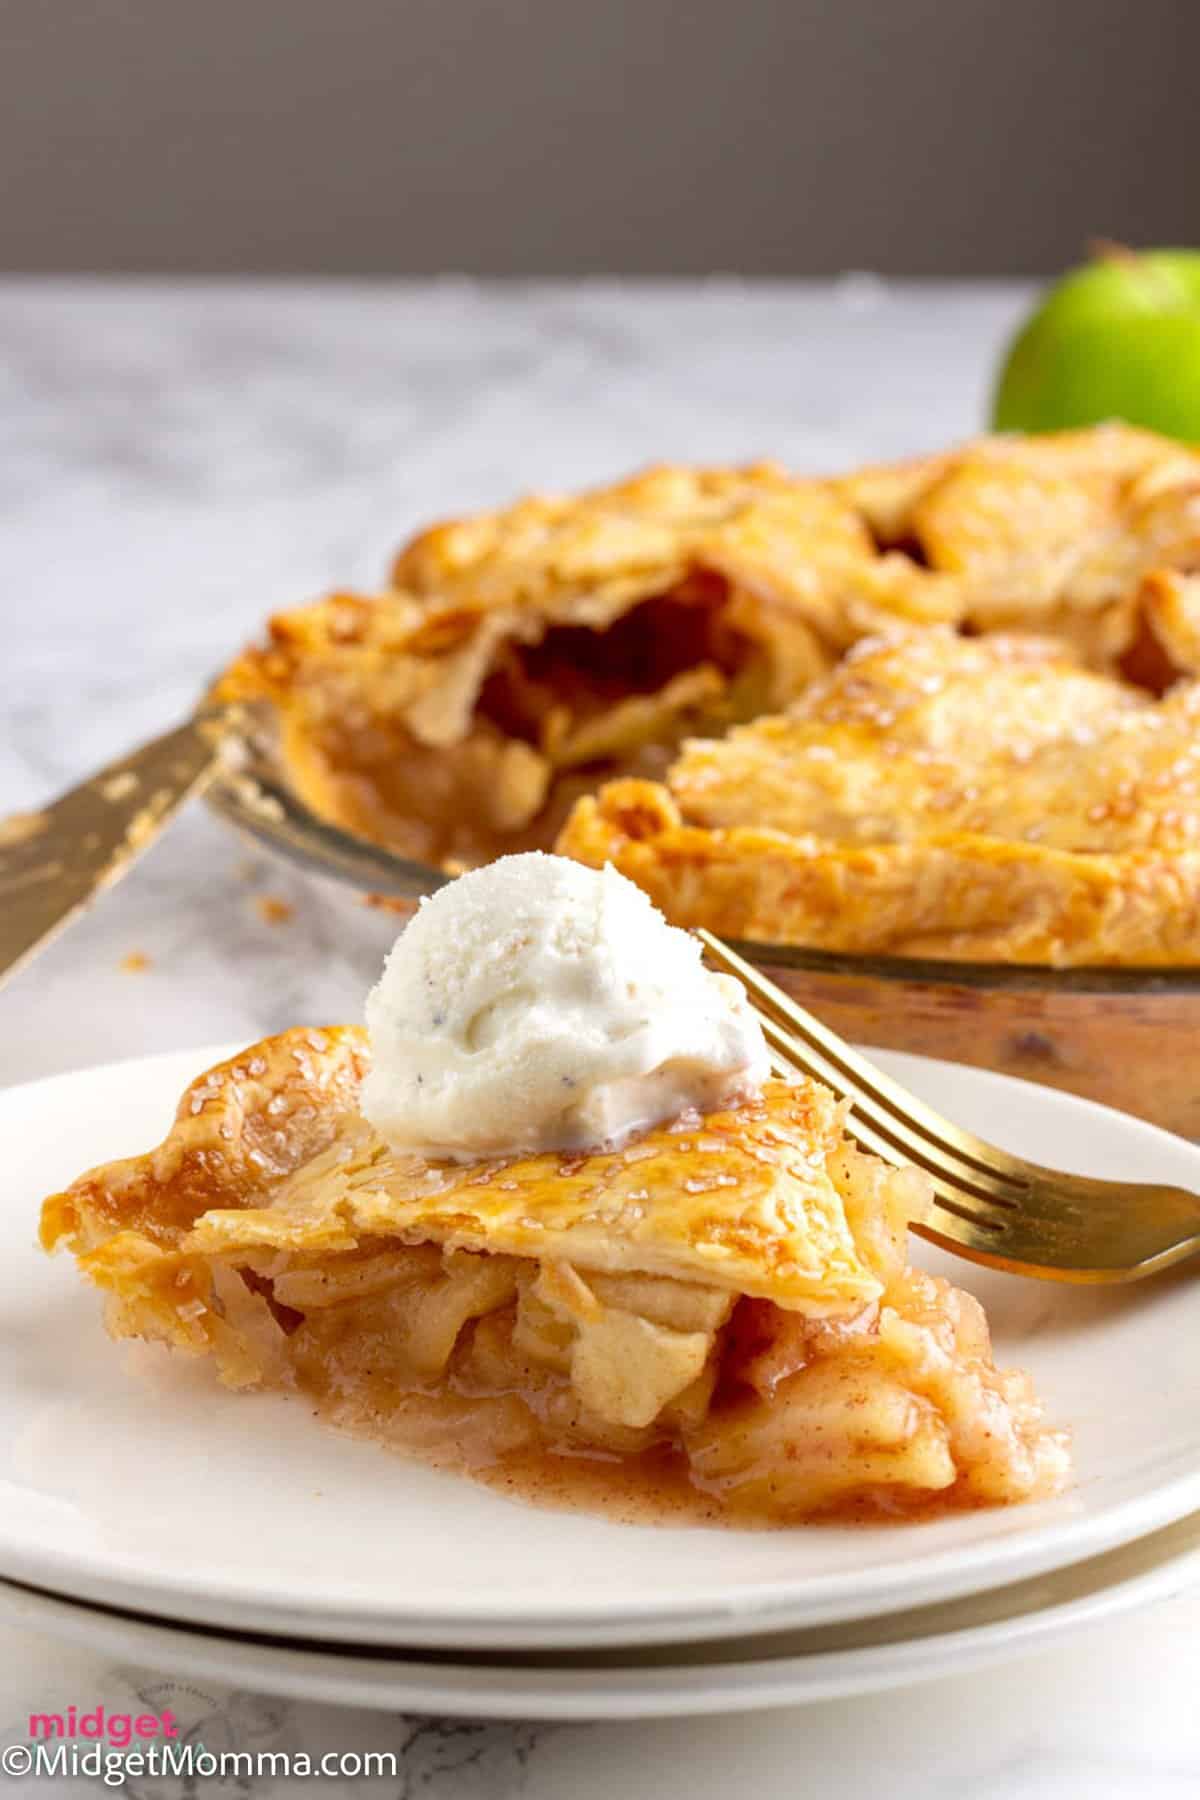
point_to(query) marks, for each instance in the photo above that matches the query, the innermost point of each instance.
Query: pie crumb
(386, 903)
(272, 910)
(135, 962)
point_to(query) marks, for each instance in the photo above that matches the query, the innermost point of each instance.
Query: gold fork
(990, 1207)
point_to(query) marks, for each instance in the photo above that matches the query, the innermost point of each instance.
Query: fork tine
(991, 1208)
(913, 1132)
(971, 1232)
(1078, 1261)
(962, 1237)
(853, 1073)
(950, 1190)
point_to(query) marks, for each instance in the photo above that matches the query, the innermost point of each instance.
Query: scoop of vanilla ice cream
(536, 1004)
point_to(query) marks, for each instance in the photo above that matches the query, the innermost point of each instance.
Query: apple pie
(716, 1321)
(519, 658)
(942, 796)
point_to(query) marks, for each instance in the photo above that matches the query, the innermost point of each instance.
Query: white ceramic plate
(734, 1675)
(128, 1477)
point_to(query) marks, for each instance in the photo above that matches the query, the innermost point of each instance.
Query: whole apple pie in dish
(520, 659)
(707, 1314)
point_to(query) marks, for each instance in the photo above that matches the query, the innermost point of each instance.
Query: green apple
(1117, 339)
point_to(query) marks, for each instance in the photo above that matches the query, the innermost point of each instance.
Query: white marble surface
(175, 462)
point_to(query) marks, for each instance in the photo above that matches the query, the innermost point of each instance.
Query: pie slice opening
(589, 698)
(716, 1322)
(453, 739)
(524, 656)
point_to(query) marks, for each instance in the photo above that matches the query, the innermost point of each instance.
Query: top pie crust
(936, 795)
(739, 1200)
(522, 657)
(443, 716)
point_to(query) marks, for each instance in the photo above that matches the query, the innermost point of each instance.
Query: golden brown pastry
(1053, 534)
(716, 1320)
(935, 796)
(523, 656)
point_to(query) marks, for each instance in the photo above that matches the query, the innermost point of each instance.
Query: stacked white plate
(147, 1512)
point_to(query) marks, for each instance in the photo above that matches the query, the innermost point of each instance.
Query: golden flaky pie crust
(721, 1313)
(520, 658)
(520, 653)
(935, 796)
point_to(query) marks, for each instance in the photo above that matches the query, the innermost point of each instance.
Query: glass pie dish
(1129, 1038)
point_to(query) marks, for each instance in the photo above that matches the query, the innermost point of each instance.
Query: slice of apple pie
(714, 1321)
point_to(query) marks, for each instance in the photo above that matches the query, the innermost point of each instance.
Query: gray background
(575, 136)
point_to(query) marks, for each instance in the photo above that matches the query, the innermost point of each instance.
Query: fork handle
(53, 862)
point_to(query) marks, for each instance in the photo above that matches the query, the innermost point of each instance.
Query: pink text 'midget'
(119, 1729)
